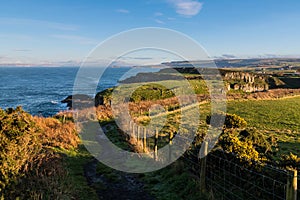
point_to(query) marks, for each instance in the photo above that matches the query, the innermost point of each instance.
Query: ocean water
(39, 90)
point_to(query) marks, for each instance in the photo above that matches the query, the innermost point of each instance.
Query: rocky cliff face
(247, 82)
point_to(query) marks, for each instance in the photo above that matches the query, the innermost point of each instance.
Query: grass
(74, 161)
(173, 182)
(281, 115)
(277, 118)
(158, 90)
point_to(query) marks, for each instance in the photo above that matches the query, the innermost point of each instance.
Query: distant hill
(224, 63)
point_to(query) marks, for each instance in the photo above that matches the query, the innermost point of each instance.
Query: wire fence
(227, 177)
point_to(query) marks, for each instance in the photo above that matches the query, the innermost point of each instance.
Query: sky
(64, 32)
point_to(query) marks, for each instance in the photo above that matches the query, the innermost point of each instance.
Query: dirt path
(115, 185)
(123, 186)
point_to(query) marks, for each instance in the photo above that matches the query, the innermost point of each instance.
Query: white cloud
(15, 36)
(33, 61)
(124, 11)
(39, 23)
(157, 14)
(187, 8)
(22, 50)
(76, 38)
(159, 21)
(171, 18)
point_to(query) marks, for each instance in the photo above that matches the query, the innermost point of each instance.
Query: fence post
(170, 145)
(133, 130)
(155, 144)
(145, 140)
(130, 125)
(291, 187)
(138, 134)
(202, 155)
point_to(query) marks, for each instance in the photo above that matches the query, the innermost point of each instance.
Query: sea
(40, 90)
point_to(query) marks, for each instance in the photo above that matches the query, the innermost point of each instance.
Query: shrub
(151, 92)
(29, 165)
(260, 142)
(57, 134)
(18, 144)
(229, 120)
(244, 150)
(290, 161)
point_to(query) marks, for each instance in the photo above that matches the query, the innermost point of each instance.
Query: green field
(272, 117)
(281, 115)
(277, 118)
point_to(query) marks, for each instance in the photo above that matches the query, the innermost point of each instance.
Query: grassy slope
(74, 161)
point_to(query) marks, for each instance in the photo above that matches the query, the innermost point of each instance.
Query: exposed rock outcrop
(79, 100)
(247, 82)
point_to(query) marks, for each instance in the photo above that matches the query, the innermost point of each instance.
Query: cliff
(247, 82)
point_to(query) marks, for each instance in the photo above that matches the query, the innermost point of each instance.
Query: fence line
(221, 174)
(227, 179)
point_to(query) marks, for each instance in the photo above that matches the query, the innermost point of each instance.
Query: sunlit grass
(281, 114)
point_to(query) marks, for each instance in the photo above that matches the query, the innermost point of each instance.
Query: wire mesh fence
(227, 179)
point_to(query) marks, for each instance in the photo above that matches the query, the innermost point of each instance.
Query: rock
(247, 82)
(81, 100)
(99, 100)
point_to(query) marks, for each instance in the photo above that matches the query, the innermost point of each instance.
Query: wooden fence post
(130, 125)
(291, 187)
(133, 130)
(145, 140)
(170, 145)
(155, 144)
(138, 134)
(202, 155)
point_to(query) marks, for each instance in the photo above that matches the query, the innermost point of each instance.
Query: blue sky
(63, 32)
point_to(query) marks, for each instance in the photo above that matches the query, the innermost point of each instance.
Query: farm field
(278, 118)
(278, 115)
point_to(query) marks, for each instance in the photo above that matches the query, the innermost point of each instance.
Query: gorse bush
(57, 134)
(243, 149)
(260, 142)
(227, 120)
(290, 161)
(29, 165)
(18, 144)
(248, 145)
